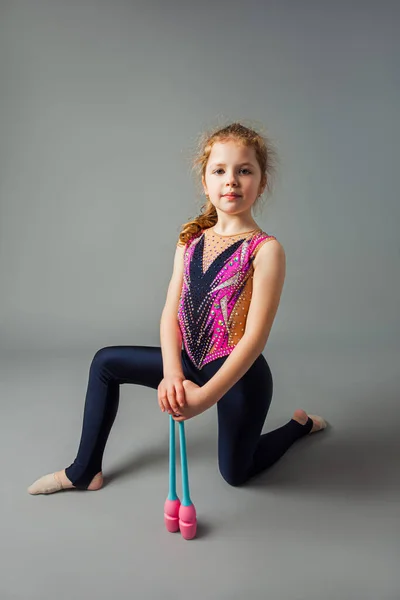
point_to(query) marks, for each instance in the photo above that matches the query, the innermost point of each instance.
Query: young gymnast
(221, 302)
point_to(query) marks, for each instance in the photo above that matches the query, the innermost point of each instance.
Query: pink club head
(171, 515)
(187, 521)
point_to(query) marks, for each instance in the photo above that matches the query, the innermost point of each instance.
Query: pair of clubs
(179, 515)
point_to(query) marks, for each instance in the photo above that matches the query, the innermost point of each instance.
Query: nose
(231, 180)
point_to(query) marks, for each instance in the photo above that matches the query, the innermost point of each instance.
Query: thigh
(140, 365)
(241, 416)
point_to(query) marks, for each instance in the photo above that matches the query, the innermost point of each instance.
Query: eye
(244, 169)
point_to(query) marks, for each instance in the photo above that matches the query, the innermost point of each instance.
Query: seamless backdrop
(101, 105)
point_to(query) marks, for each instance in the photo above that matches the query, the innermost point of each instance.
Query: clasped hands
(180, 397)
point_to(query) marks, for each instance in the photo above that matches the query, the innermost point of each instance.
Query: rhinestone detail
(216, 292)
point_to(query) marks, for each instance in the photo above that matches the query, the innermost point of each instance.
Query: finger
(160, 403)
(175, 407)
(168, 406)
(162, 392)
(181, 414)
(164, 401)
(172, 401)
(179, 419)
(181, 396)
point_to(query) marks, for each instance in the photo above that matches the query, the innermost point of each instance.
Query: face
(232, 167)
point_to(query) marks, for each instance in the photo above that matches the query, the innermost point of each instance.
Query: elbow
(167, 314)
(255, 342)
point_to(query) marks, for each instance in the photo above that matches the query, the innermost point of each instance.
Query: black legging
(242, 450)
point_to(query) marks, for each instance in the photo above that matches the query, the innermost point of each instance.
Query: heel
(319, 421)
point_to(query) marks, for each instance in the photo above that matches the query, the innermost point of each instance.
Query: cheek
(253, 183)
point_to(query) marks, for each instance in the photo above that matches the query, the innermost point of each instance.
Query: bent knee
(103, 355)
(233, 477)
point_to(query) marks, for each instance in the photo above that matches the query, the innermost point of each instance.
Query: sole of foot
(55, 482)
(301, 417)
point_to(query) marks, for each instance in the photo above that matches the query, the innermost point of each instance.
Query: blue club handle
(186, 501)
(172, 460)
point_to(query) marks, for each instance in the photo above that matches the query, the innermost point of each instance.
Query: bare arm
(170, 334)
(171, 345)
(268, 280)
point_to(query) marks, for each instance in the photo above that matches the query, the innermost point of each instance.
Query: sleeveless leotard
(216, 292)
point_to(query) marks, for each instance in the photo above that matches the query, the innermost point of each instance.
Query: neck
(235, 230)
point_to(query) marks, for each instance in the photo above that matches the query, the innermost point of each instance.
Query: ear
(262, 188)
(203, 181)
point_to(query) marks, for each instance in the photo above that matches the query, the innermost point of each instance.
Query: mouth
(231, 196)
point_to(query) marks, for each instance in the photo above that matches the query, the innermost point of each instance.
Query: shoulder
(269, 251)
(184, 246)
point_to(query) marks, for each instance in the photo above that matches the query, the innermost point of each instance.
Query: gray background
(101, 106)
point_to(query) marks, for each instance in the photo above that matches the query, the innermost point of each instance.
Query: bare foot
(301, 417)
(54, 482)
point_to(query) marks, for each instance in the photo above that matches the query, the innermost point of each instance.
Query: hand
(171, 393)
(195, 402)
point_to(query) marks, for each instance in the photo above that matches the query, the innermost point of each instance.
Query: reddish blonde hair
(266, 156)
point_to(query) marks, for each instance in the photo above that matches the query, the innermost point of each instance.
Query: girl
(221, 302)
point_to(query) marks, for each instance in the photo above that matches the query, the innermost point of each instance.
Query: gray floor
(323, 523)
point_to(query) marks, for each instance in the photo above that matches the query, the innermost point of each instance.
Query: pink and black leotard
(213, 306)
